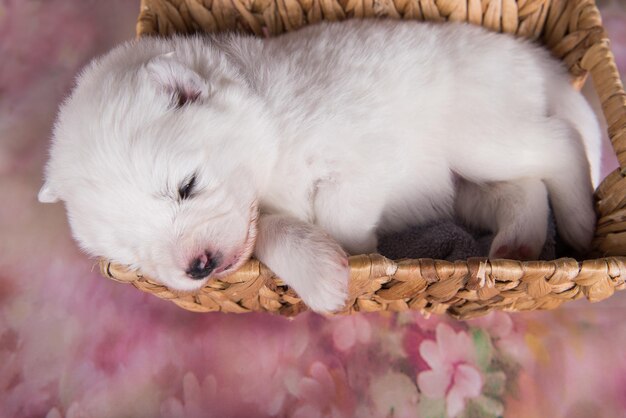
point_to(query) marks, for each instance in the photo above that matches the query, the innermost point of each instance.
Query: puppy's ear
(47, 194)
(175, 78)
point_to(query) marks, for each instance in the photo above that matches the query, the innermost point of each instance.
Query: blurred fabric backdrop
(73, 344)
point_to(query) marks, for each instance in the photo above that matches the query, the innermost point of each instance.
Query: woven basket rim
(564, 278)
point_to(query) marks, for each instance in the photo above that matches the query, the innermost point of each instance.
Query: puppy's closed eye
(185, 191)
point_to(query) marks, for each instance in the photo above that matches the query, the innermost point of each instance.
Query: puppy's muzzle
(200, 267)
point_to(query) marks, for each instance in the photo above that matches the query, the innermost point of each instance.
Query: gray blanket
(448, 240)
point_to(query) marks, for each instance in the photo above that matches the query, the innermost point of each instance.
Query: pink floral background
(73, 344)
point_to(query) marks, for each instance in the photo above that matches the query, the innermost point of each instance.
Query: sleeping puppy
(185, 156)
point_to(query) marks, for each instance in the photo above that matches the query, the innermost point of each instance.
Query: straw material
(573, 31)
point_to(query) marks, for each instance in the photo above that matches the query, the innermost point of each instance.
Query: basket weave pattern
(571, 29)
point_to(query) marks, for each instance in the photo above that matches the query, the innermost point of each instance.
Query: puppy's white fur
(335, 132)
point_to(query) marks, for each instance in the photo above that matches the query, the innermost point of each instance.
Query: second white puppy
(181, 156)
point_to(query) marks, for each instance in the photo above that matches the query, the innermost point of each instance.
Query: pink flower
(323, 393)
(497, 324)
(453, 375)
(198, 400)
(425, 322)
(348, 330)
(508, 336)
(393, 395)
(270, 380)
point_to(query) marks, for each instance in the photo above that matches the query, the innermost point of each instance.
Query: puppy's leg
(550, 150)
(571, 191)
(517, 211)
(306, 258)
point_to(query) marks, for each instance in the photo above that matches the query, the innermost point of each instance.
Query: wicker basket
(572, 29)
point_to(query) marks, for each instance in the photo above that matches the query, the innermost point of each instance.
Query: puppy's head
(158, 154)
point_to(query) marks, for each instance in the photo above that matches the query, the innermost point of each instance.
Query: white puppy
(181, 156)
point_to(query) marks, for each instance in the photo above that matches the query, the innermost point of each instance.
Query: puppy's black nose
(201, 267)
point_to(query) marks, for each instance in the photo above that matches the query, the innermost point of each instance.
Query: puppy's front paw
(323, 283)
(306, 259)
